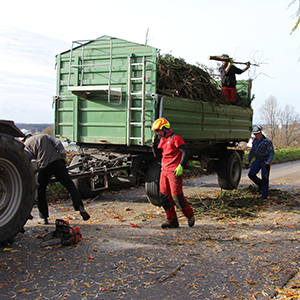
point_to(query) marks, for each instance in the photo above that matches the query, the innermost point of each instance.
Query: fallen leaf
(135, 225)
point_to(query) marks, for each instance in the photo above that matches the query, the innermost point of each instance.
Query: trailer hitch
(94, 179)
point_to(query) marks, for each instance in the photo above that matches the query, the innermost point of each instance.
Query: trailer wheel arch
(152, 182)
(230, 170)
(17, 188)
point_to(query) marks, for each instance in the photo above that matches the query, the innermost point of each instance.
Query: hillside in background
(36, 128)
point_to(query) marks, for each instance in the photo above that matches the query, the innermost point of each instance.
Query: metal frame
(83, 90)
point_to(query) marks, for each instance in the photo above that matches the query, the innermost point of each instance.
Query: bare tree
(289, 120)
(270, 113)
(48, 130)
(296, 15)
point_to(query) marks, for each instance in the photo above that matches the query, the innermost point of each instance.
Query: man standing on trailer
(174, 153)
(50, 156)
(263, 150)
(228, 71)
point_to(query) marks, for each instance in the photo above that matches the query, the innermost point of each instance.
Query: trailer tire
(230, 170)
(17, 188)
(152, 183)
(83, 185)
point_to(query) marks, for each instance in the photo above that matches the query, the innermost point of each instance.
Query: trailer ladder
(133, 96)
(83, 90)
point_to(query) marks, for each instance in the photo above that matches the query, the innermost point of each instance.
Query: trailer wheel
(16, 188)
(152, 183)
(83, 185)
(230, 170)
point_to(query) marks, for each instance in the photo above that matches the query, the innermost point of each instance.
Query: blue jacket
(263, 150)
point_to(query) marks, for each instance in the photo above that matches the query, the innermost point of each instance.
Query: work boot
(191, 221)
(84, 213)
(173, 224)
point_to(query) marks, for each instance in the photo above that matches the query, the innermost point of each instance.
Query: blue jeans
(263, 183)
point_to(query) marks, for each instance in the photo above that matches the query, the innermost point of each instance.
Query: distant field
(35, 128)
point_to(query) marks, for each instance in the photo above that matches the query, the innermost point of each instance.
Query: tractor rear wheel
(17, 188)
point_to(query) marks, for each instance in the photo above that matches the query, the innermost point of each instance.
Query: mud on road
(124, 253)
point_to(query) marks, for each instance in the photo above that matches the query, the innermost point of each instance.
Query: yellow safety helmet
(159, 124)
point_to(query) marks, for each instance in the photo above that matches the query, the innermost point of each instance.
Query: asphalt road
(124, 253)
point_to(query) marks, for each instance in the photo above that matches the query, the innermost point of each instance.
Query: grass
(281, 155)
(56, 192)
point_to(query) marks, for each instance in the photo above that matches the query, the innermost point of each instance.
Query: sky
(33, 32)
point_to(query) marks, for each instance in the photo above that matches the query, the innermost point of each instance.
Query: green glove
(179, 170)
(155, 140)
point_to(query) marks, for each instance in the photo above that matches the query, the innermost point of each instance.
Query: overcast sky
(33, 32)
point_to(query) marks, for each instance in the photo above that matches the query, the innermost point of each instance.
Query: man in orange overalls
(174, 153)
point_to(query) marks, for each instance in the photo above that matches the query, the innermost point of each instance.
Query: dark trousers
(59, 170)
(263, 182)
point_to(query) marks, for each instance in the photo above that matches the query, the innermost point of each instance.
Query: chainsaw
(64, 234)
(228, 59)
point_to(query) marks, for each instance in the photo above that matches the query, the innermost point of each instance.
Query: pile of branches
(175, 77)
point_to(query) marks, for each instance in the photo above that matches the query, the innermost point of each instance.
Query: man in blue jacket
(263, 150)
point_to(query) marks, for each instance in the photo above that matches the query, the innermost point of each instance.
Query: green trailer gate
(105, 91)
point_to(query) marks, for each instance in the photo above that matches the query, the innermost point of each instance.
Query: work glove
(154, 145)
(247, 165)
(179, 170)
(230, 63)
(155, 140)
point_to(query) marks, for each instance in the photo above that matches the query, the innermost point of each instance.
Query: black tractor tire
(152, 182)
(83, 185)
(17, 188)
(230, 170)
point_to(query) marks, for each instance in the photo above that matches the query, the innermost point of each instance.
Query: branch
(172, 274)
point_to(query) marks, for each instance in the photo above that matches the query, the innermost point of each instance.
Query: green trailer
(107, 99)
